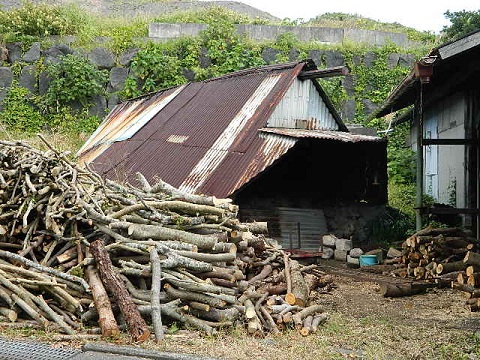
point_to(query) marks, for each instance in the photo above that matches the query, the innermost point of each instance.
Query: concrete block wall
(165, 31)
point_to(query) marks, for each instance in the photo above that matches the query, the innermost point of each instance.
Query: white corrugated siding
(302, 107)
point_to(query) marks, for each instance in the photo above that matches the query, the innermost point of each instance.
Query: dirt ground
(362, 325)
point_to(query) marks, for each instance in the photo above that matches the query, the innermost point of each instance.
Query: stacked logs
(432, 253)
(437, 257)
(77, 250)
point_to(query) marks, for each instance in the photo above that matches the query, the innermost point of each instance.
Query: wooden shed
(443, 93)
(268, 137)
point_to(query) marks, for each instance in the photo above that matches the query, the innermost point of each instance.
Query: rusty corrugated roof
(323, 134)
(201, 137)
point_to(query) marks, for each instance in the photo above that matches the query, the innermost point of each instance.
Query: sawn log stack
(82, 254)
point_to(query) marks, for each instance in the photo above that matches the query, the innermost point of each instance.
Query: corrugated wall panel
(302, 228)
(302, 107)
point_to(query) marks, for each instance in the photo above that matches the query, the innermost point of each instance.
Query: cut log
(299, 293)
(399, 290)
(444, 268)
(217, 315)
(474, 280)
(9, 313)
(318, 320)
(307, 326)
(472, 258)
(155, 295)
(394, 253)
(141, 232)
(471, 269)
(299, 316)
(264, 273)
(106, 319)
(137, 327)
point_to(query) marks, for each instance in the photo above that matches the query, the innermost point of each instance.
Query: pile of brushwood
(80, 254)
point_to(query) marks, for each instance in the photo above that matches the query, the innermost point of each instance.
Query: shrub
(227, 50)
(39, 20)
(153, 69)
(20, 112)
(73, 79)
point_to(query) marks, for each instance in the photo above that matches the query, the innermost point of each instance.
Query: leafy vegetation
(73, 79)
(20, 112)
(218, 50)
(354, 21)
(33, 21)
(153, 69)
(462, 23)
(207, 16)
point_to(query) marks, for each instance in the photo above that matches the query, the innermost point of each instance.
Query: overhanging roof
(201, 137)
(323, 135)
(446, 55)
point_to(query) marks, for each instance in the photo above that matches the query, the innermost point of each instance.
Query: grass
(342, 334)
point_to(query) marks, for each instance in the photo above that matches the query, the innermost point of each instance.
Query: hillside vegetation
(63, 109)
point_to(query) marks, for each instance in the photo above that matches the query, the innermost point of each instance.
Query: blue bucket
(368, 260)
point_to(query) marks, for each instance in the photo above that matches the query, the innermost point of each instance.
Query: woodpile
(435, 257)
(432, 253)
(77, 250)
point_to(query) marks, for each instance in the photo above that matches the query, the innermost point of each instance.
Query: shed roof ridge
(263, 69)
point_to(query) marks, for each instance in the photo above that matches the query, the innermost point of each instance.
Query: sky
(424, 15)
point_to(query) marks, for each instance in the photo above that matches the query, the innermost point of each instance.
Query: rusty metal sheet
(126, 119)
(203, 137)
(323, 134)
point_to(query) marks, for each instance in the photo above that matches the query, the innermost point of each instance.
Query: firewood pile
(80, 254)
(436, 257)
(432, 253)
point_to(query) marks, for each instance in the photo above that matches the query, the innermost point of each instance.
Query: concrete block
(327, 253)
(353, 260)
(340, 255)
(329, 240)
(344, 244)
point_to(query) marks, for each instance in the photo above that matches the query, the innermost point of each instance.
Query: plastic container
(368, 260)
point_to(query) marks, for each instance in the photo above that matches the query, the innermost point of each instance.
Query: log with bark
(212, 265)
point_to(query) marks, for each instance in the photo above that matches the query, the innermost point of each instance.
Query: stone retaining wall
(37, 81)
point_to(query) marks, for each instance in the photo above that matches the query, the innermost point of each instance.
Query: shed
(267, 137)
(442, 93)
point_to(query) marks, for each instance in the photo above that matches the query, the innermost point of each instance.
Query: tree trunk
(113, 283)
(106, 319)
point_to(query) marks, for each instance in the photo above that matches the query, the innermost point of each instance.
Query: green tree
(463, 22)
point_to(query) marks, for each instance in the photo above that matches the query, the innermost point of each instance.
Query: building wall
(445, 120)
(302, 107)
(166, 31)
(450, 118)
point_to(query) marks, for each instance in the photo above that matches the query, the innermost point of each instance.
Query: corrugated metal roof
(202, 137)
(322, 134)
